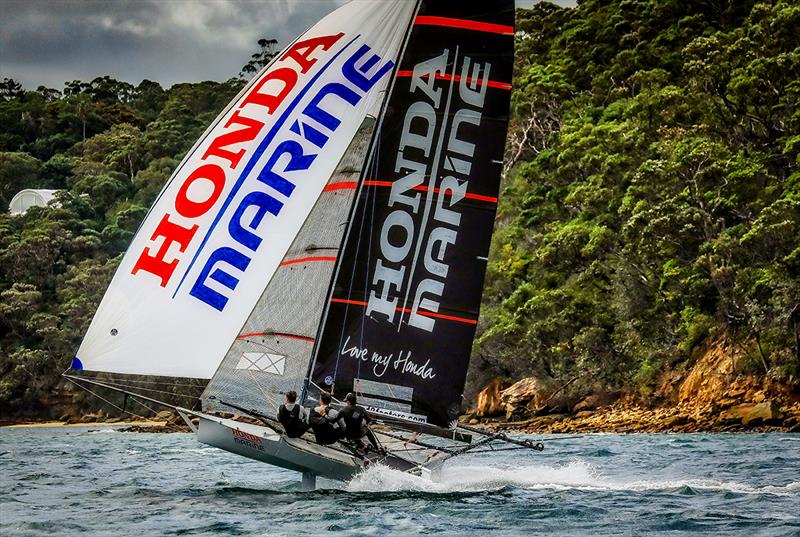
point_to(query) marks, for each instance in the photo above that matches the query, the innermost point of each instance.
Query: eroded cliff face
(711, 396)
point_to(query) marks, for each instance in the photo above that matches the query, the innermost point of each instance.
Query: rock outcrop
(711, 396)
(488, 400)
(522, 397)
(747, 414)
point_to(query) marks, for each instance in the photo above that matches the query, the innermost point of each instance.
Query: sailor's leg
(309, 482)
(372, 439)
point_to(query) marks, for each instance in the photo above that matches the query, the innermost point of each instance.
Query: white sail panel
(225, 220)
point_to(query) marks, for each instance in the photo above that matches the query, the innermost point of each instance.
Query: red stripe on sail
(446, 317)
(344, 185)
(377, 183)
(407, 310)
(308, 259)
(464, 24)
(457, 78)
(279, 334)
(421, 188)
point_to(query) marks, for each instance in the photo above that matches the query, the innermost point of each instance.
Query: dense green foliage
(109, 146)
(652, 198)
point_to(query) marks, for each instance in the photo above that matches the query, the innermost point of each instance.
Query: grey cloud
(50, 42)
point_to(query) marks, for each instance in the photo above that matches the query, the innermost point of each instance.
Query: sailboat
(328, 232)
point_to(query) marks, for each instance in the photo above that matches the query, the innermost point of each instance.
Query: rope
(81, 386)
(117, 383)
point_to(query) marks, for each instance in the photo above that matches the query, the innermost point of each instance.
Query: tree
(259, 59)
(17, 171)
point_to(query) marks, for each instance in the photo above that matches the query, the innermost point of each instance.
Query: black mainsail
(405, 301)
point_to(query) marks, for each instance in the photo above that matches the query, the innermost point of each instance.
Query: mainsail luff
(405, 305)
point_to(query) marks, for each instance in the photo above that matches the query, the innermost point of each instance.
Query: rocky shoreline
(709, 397)
(162, 422)
(634, 419)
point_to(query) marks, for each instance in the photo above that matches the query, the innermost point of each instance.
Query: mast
(350, 218)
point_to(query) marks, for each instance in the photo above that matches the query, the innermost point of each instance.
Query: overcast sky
(49, 42)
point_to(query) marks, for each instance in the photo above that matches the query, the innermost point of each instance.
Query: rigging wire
(114, 383)
(263, 393)
(156, 382)
(136, 400)
(81, 386)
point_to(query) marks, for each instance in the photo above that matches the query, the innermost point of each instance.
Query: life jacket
(354, 418)
(324, 430)
(290, 419)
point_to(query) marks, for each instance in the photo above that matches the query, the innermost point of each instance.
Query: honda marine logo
(433, 165)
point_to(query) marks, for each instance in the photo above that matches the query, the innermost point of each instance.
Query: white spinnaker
(143, 327)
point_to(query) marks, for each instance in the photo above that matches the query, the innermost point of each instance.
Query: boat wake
(574, 475)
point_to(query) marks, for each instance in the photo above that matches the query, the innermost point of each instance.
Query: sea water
(83, 481)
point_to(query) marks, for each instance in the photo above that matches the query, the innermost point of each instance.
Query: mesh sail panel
(272, 352)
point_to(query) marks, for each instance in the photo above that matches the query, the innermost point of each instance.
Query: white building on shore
(25, 199)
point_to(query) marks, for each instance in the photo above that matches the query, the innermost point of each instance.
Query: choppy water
(71, 481)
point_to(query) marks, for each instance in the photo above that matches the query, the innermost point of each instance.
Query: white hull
(266, 445)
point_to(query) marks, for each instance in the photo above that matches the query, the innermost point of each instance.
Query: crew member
(293, 416)
(328, 427)
(357, 421)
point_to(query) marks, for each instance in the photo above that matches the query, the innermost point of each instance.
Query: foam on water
(575, 474)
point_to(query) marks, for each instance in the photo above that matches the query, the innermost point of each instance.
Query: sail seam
(457, 78)
(408, 310)
(278, 334)
(310, 259)
(464, 24)
(421, 188)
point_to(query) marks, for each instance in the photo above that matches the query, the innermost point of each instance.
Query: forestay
(222, 226)
(406, 299)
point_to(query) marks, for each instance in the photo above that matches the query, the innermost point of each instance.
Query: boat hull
(264, 444)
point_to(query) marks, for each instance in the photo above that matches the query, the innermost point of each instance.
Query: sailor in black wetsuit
(292, 416)
(325, 422)
(356, 420)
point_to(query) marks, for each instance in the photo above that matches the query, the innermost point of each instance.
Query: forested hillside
(651, 198)
(110, 146)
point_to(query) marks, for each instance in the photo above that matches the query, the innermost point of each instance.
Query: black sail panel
(406, 297)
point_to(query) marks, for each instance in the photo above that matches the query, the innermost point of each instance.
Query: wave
(475, 478)
(574, 475)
